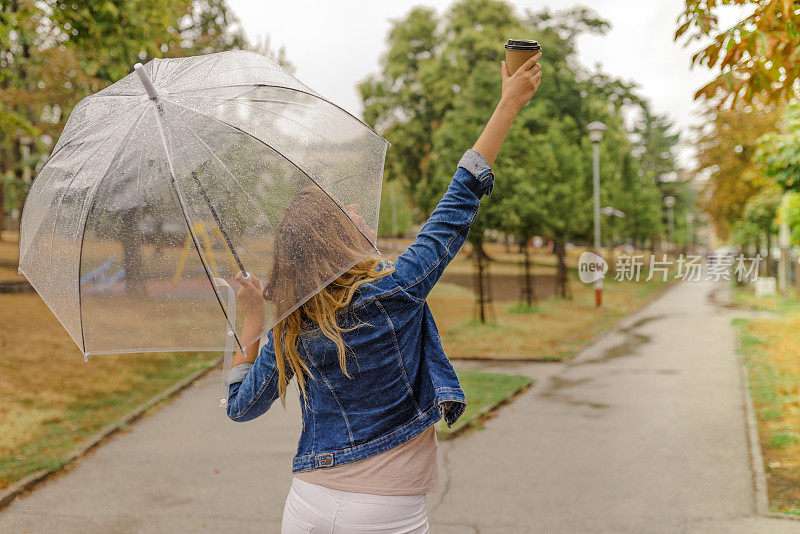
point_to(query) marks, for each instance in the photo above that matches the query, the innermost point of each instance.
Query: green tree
(114, 34)
(439, 82)
(54, 53)
(779, 152)
(760, 214)
(789, 212)
(40, 81)
(428, 63)
(779, 156)
(396, 217)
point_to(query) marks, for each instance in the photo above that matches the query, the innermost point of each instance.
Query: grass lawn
(553, 329)
(770, 347)
(51, 401)
(484, 391)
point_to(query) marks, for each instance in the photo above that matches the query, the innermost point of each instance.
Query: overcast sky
(334, 45)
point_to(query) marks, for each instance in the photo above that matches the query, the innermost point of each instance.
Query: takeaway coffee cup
(518, 51)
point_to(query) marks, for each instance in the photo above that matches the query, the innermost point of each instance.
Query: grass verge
(769, 346)
(485, 392)
(51, 401)
(552, 329)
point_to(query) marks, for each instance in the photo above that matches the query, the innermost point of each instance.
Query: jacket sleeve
(420, 266)
(253, 387)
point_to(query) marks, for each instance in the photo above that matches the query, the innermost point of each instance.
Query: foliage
(762, 209)
(759, 55)
(789, 212)
(779, 152)
(114, 33)
(726, 145)
(438, 84)
(779, 155)
(396, 217)
(53, 53)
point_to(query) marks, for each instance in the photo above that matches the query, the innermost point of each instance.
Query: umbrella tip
(145, 79)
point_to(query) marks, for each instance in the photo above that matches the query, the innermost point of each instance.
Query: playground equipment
(200, 230)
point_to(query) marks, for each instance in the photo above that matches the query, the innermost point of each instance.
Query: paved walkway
(644, 432)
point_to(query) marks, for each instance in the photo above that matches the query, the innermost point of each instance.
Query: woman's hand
(517, 91)
(520, 88)
(250, 297)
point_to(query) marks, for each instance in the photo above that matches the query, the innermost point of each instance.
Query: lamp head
(669, 201)
(596, 130)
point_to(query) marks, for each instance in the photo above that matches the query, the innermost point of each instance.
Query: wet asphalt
(644, 431)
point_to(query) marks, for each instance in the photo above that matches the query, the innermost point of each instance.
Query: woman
(372, 375)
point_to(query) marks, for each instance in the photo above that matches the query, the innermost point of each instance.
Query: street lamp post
(596, 130)
(669, 202)
(690, 231)
(611, 211)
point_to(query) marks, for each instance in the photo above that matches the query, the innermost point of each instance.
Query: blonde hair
(316, 233)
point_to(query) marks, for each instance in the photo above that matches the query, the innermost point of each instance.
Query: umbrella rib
(159, 112)
(219, 222)
(72, 179)
(83, 164)
(247, 193)
(85, 220)
(253, 200)
(285, 158)
(105, 117)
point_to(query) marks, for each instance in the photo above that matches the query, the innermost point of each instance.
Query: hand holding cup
(519, 88)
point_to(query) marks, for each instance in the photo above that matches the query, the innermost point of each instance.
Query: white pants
(321, 510)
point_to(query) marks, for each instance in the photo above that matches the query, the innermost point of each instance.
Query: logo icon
(591, 267)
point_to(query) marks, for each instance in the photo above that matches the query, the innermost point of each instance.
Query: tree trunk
(131, 237)
(480, 283)
(560, 250)
(529, 286)
(769, 254)
(2, 209)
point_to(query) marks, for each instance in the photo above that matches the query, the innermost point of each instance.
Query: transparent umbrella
(167, 183)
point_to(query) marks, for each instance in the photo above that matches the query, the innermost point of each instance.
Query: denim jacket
(400, 380)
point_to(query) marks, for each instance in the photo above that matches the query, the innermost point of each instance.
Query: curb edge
(9, 494)
(760, 493)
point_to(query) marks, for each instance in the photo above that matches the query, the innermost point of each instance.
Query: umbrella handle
(146, 81)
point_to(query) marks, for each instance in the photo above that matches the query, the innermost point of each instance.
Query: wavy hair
(315, 234)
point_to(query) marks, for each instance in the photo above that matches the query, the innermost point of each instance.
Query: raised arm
(420, 266)
(516, 92)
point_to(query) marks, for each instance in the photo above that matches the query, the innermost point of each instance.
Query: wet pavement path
(642, 432)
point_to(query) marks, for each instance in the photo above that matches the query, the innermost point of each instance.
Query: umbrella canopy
(151, 202)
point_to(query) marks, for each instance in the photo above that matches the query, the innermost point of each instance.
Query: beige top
(408, 469)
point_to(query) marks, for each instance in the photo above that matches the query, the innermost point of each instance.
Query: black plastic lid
(522, 44)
